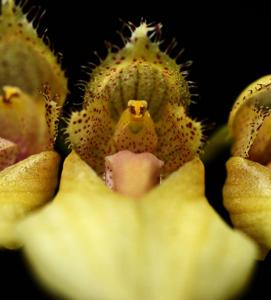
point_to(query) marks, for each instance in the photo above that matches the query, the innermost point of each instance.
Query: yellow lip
(170, 244)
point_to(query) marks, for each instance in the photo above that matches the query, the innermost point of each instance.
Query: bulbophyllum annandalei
(130, 219)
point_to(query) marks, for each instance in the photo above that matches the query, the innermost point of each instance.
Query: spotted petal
(249, 121)
(139, 73)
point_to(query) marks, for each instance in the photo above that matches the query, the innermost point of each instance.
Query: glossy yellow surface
(24, 187)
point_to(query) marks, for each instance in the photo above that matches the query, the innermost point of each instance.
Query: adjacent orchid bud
(247, 193)
(32, 91)
(136, 100)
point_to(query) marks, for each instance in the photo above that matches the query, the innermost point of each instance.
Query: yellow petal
(92, 243)
(247, 197)
(24, 187)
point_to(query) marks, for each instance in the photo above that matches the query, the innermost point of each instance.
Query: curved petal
(247, 197)
(24, 187)
(92, 243)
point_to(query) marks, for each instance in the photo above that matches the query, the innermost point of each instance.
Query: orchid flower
(28, 121)
(247, 193)
(130, 219)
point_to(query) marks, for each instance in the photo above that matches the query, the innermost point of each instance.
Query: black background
(230, 47)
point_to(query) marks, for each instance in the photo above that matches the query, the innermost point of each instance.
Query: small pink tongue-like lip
(132, 174)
